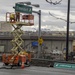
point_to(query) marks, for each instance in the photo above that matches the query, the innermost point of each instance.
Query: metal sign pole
(39, 35)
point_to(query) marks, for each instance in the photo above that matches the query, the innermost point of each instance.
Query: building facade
(50, 42)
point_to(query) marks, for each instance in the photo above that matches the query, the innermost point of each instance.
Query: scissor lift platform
(24, 20)
(20, 23)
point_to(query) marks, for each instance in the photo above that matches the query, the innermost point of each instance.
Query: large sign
(23, 8)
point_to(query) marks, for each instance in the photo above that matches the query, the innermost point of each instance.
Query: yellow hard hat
(12, 15)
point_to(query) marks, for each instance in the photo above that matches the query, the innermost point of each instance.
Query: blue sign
(34, 43)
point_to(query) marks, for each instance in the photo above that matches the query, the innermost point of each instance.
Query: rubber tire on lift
(6, 64)
(19, 63)
(27, 63)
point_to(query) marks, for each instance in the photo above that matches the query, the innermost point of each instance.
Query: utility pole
(67, 36)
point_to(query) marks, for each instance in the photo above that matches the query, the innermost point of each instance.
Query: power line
(54, 3)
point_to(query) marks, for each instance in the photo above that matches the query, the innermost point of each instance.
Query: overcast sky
(47, 21)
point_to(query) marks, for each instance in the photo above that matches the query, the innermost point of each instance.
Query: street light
(36, 5)
(39, 34)
(28, 3)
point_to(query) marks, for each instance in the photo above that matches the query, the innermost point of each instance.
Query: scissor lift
(17, 41)
(25, 20)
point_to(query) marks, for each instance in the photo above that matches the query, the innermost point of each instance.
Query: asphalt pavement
(35, 70)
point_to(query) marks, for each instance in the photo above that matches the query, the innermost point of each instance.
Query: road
(34, 70)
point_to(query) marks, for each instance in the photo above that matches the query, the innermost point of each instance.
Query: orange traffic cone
(23, 61)
(4, 57)
(22, 66)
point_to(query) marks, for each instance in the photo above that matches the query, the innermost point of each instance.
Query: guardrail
(47, 62)
(42, 62)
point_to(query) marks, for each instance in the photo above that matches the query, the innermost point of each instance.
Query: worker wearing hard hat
(17, 16)
(12, 17)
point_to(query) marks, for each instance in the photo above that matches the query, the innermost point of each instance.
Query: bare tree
(54, 3)
(59, 18)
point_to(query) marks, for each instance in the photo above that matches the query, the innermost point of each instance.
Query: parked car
(57, 52)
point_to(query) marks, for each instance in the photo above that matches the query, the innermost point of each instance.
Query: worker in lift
(12, 17)
(17, 16)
